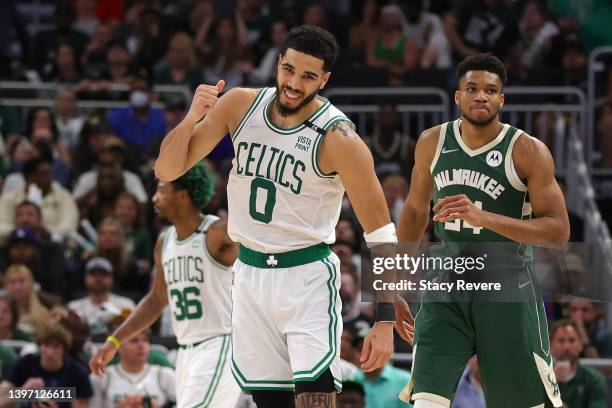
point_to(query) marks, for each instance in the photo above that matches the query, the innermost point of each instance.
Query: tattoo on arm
(315, 400)
(346, 127)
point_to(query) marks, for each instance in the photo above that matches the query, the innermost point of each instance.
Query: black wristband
(385, 312)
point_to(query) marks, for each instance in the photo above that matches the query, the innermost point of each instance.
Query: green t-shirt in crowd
(586, 390)
(7, 357)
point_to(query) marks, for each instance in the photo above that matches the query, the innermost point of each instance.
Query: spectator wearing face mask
(140, 123)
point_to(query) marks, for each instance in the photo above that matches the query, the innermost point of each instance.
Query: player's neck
(477, 136)
(187, 224)
(132, 367)
(287, 122)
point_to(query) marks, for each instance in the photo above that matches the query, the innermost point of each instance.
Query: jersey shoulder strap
(207, 222)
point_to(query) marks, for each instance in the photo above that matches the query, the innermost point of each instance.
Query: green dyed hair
(199, 182)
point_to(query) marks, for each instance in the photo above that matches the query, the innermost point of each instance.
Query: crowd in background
(77, 227)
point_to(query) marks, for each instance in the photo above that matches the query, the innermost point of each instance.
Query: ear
(502, 99)
(457, 95)
(184, 195)
(325, 79)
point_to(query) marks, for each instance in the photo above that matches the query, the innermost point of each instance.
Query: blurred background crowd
(77, 227)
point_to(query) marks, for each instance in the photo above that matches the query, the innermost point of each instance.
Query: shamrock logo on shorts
(272, 261)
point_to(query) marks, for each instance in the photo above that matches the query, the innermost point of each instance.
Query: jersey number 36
(187, 303)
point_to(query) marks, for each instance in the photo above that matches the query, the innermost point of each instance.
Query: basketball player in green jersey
(479, 173)
(295, 155)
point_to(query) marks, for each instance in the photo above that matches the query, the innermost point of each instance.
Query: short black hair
(31, 166)
(25, 203)
(32, 117)
(313, 41)
(483, 62)
(44, 150)
(353, 386)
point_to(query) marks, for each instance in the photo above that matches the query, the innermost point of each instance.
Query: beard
(286, 111)
(98, 290)
(479, 122)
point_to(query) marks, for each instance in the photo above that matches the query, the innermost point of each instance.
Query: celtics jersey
(488, 178)
(199, 288)
(278, 198)
(155, 382)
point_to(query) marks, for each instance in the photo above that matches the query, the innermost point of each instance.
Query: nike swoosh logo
(522, 285)
(309, 282)
(448, 151)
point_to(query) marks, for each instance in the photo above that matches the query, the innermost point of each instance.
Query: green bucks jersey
(487, 177)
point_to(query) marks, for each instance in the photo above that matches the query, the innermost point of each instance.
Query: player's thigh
(226, 392)
(203, 369)
(312, 320)
(444, 342)
(513, 352)
(260, 360)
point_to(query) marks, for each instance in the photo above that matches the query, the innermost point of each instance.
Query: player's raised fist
(205, 98)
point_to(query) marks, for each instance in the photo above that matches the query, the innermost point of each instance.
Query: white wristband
(382, 235)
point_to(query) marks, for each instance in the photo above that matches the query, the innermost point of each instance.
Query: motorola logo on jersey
(494, 158)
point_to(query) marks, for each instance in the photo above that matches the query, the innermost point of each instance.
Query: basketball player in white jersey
(193, 274)
(295, 154)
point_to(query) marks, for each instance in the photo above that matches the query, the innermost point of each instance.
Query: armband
(382, 235)
(385, 312)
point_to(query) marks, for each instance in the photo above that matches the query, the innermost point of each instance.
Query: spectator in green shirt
(7, 358)
(130, 213)
(580, 386)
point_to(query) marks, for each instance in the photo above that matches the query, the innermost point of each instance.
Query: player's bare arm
(415, 214)
(146, 313)
(533, 163)
(355, 167)
(209, 118)
(219, 244)
(344, 152)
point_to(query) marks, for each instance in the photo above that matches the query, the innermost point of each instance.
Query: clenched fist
(204, 99)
